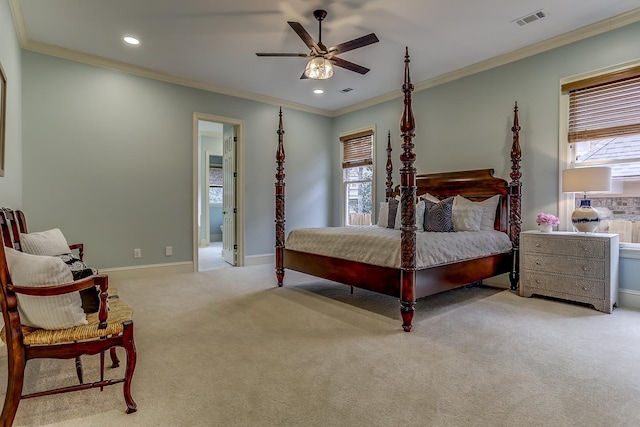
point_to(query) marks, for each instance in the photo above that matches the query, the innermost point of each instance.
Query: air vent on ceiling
(345, 90)
(532, 17)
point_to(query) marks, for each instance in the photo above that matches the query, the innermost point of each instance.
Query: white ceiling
(212, 44)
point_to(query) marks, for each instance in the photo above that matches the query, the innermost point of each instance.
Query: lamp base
(585, 218)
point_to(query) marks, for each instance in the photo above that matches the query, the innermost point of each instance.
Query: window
(604, 130)
(357, 177)
(215, 185)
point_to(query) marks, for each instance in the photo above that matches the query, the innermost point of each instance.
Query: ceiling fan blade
(354, 44)
(349, 65)
(306, 38)
(303, 76)
(302, 55)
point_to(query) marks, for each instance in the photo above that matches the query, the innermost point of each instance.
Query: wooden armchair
(107, 329)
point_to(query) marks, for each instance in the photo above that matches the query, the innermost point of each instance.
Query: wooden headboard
(475, 185)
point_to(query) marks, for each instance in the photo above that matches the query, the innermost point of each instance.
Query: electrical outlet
(168, 250)
(137, 253)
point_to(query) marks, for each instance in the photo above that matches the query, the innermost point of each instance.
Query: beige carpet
(228, 348)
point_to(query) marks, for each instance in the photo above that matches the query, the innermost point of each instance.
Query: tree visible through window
(357, 177)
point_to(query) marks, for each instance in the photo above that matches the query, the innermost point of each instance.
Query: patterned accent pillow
(394, 208)
(90, 297)
(439, 216)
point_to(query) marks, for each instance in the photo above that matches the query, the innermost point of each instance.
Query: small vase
(546, 228)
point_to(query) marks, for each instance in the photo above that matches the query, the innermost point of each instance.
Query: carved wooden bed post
(280, 203)
(389, 188)
(515, 192)
(408, 200)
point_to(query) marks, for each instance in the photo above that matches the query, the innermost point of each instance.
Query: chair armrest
(79, 247)
(100, 280)
(65, 288)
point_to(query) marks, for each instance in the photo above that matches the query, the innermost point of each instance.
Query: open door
(229, 205)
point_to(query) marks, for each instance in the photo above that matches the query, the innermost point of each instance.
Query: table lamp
(582, 180)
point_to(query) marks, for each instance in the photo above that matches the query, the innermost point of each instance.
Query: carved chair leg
(130, 348)
(115, 362)
(79, 370)
(15, 381)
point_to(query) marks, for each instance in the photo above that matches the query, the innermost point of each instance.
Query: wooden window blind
(604, 106)
(357, 149)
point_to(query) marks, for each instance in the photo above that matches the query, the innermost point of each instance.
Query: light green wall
(107, 156)
(11, 183)
(108, 159)
(465, 124)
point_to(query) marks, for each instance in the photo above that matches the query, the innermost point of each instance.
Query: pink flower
(547, 219)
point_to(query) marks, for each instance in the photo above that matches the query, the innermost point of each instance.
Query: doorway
(218, 223)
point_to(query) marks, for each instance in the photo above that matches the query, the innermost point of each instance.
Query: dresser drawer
(581, 267)
(571, 286)
(592, 248)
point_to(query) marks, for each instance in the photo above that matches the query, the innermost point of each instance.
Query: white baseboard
(629, 298)
(250, 260)
(626, 297)
(124, 273)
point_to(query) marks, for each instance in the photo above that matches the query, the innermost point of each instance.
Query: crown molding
(15, 6)
(527, 51)
(156, 75)
(600, 27)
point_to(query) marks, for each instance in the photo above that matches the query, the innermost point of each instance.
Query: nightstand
(580, 267)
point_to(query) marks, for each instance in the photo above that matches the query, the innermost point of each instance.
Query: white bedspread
(381, 246)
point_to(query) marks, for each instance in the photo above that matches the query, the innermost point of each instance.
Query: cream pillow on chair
(50, 242)
(51, 312)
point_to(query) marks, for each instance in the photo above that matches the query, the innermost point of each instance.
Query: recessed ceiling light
(318, 91)
(131, 40)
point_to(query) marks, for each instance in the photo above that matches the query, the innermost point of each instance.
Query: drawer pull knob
(538, 263)
(537, 245)
(584, 288)
(584, 268)
(538, 281)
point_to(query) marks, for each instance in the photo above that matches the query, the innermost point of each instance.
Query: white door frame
(239, 183)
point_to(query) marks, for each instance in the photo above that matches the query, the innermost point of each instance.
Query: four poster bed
(407, 264)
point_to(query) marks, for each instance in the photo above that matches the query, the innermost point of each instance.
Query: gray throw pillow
(438, 216)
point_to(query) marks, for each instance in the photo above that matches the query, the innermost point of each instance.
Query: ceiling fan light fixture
(318, 68)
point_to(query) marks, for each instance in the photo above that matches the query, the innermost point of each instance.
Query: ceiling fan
(322, 58)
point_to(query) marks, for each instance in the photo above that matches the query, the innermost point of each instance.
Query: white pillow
(383, 215)
(53, 312)
(430, 198)
(50, 242)
(467, 217)
(489, 207)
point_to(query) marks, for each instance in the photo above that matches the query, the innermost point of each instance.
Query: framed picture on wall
(3, 116)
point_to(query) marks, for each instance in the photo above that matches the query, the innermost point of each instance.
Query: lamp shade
(319, 68)
(583, 180)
